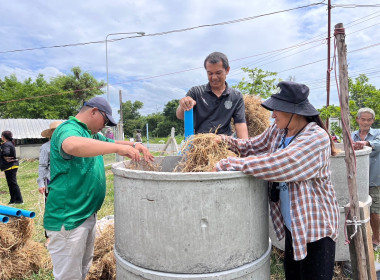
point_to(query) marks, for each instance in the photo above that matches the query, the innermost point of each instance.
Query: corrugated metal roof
(25, 128)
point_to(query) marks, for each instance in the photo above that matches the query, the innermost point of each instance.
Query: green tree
(153, 120)
(131, 116)
(361, 94)
(171, 119)
(261, 83)
(59, 98)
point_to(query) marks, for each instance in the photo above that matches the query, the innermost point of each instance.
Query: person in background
(138, 135)
(294, 156)
(215, 103)
(370, 137)
(44, 163)
(9, 164)
(78, 186)
(109, 133)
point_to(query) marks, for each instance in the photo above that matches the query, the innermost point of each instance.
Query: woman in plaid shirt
(294, 156)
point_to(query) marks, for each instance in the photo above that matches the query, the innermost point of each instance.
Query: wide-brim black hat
(292, 98)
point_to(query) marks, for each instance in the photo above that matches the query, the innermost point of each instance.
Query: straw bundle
(15, 234)
(20, 256)
(25, 261)
(201, 153)
(257, 117)
(104, 264)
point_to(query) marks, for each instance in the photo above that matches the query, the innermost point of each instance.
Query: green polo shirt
(77, 184)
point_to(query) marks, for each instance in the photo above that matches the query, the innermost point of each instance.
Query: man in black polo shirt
(215, 103)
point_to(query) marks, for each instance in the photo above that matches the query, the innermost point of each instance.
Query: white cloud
(33, 24)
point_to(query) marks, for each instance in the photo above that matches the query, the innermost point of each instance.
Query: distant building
(27, 135)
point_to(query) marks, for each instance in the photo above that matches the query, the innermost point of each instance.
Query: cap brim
(111, 121)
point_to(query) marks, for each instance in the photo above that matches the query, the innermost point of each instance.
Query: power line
(163, 75)
(166, 32)
(355, 5)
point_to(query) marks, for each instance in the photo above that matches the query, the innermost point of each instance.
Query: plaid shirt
(305, 166)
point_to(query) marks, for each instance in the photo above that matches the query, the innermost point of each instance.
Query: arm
(252, 146)
(185, 104)
(241, 130)
(43, 168)
(358, 145)
(375, 143)
(140, 147)
(86, 147)
(303, 159)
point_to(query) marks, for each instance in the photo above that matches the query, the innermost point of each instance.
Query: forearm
(375, 144)
(241, 130)
(180, 113)
(122, 142)
(42, 174)
(86, 147)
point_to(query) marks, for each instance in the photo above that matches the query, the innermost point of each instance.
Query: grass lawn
(33, 201)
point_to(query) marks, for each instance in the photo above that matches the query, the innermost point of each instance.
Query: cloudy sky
(284, 36)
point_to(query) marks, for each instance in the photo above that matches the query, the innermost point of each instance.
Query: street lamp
(139, 33)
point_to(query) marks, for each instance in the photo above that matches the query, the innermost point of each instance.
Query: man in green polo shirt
(78, 185)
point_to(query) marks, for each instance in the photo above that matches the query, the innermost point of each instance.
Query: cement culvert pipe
(201, 225)
(339, 181)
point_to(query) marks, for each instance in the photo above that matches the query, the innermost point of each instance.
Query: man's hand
(144, 150)
(359, 145)
(41, 190)
(128, 151)
(187, 103)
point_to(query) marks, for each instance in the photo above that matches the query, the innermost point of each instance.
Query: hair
(84, 109)
(317, 119)
(215, 57)
(8, 136)
(365, 110)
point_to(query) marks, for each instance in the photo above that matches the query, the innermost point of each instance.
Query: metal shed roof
(25, 128)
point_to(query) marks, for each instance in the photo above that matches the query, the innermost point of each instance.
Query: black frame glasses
(106, 120)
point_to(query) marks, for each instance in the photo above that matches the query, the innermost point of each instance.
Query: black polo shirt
(214, 113)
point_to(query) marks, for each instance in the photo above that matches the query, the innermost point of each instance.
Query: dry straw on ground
(201, 152)
(19, 255)
(104, 264)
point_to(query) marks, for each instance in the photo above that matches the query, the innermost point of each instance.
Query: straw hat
(49, 132)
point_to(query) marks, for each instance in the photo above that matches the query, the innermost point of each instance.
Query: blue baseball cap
(102, 105)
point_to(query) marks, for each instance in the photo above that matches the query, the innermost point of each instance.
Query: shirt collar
(80, 123)
(370, 132)
(226, 91)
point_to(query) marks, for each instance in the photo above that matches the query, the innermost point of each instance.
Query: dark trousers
(14, 189)
(318, 264)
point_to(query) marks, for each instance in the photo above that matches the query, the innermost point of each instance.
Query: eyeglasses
(106, 120)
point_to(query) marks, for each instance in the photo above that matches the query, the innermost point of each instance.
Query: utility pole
(328, 59)
(120, 130)
(357, 253)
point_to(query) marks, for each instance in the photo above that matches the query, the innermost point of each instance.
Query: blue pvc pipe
(4, 219)
(28, 214)
(189, 123)
(6, 210)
